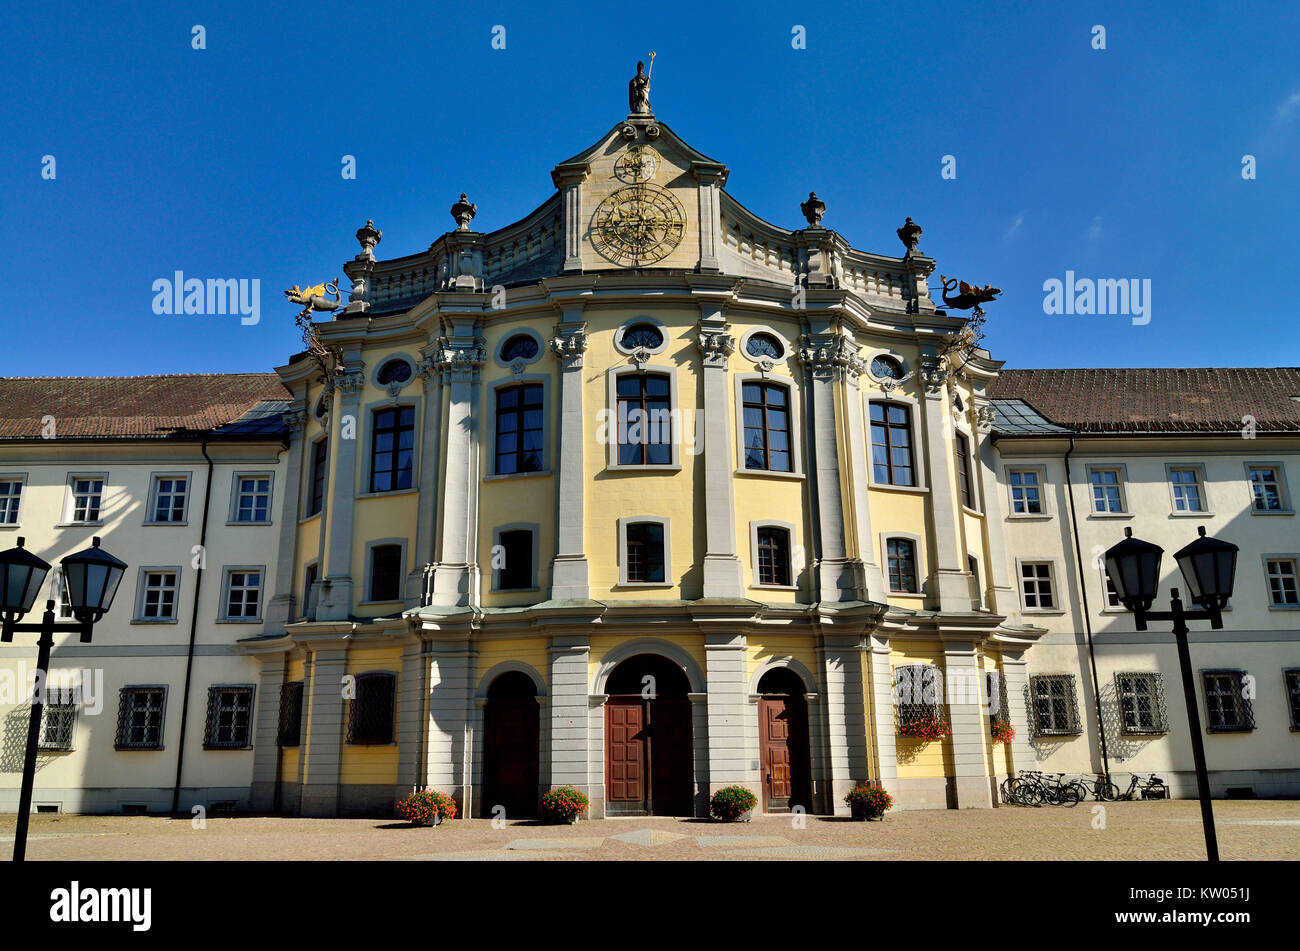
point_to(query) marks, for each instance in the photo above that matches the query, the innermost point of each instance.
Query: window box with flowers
(868, 801)
(427, 807)
(918, 695)
(926, 727)
(1003, 732)
(733, 804)
(564, 804)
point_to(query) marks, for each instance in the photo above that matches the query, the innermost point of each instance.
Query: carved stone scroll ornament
(985, 416)
(462, 361)
(935, 376)
(831, 357)
(294, 421)
(716, 346)
(568, 347)
(350, 382)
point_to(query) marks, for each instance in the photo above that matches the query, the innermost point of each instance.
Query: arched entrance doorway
(783, 741)
(649, 766)
(510, 724)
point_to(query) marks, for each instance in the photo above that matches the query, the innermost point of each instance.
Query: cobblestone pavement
(1132, 830)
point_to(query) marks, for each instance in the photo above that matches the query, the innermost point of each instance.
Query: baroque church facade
(645, 495)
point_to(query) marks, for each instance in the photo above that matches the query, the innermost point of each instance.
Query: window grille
(1227, 710)
(1054, 705)
(230, 714)
(140, 718)
(1141, 702)
(1293, 696)
(290, 727)
(370, 712)
(59, 718)
(918, 693)
(995, 686)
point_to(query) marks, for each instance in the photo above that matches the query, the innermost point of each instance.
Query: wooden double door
(783, 744)
(510, 750)
(649, 764)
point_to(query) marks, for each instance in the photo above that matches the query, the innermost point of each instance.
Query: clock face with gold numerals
(638, 225)
(637, 164)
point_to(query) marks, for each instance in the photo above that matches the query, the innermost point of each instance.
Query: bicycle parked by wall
(1098, 786)
(1034, 788)
(1148, 786)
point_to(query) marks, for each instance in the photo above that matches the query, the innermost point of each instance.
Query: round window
(886, 368)
(642, 335)
(765, 345)
(519, 347)
(394, 371)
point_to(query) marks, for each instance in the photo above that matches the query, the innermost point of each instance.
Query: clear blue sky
(225, 162)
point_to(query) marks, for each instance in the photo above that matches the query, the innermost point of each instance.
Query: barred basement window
(1227, 710)
(995, 688)
(290, 727)
(1293, 696)
(59, 718)
(370, 713)
(918, 693)
(140, 713)
(1141, 702)
(230, 714)
(1054, 705)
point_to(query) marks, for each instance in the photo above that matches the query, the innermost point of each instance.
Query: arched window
(394, 371)
(764, 345)
(519, 347)
(642, 335)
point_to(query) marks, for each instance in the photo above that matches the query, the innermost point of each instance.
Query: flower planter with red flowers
(564, 805)
(1002, 731)
(733, 804)
(868, 801)
(427, 807)
(926, 728)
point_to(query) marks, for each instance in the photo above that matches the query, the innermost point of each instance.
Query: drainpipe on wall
(194, 624)
(1087, 614)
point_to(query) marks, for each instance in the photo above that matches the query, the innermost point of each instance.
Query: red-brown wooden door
(625, 755)
(510, 753)
(783, 741)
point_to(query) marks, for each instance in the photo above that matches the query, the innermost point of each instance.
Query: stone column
(970, 726)
(881, 702)
(701, 740)
(859, 459)
(335, 599)
(451, 674)
(570, 712)
(569, 179)
(1016, 673)
(711, 176)
(840, 658)
(722, 570)
(320, 790)
(430, 458)
(455, 575)
(949, 580)
(280, 609)
(413, 717)
(569, 578)
(828, 359)
(727, 710)
(266, 746)
(996, 571)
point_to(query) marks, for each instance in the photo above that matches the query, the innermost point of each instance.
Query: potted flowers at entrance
(733, 804)
(427, 807)
(1003, 732)
(564, 804)
(868, 801)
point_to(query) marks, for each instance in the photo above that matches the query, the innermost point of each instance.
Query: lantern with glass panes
(1208, 566)
(90, 578)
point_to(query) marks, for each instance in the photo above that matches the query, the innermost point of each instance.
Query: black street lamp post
(1208, 566)
(92, 577)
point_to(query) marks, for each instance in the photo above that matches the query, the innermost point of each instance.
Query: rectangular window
(918, 694)
(901, 556)
(1026, 498)
(1189, 494)
(58, 718)
(1282, 582)
(1293, 696)
(1055, 707)
(891, 444)
(995, 688)
(65, 602)
(309, 579)
(140, 718)
(158, 596)
(370, 713)
(516, 567)
(230, 716)
(773, 555)
(1226, 708)
(1266, 488)
(644, 420)
(87, 494)
(1112, 596)
(319, 475)
(1106, 494)
(289, 732)
(1036, 585)
(386, 573)
(169, 497)
(243, 594)
(963, 471)
(1141, 702)
(520, 415)
(11, 491)
(392, 449)
(767, 426)
(645, 552)
(253, 498)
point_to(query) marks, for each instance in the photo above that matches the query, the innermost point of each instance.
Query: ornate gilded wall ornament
(638, 225)
(638, 164)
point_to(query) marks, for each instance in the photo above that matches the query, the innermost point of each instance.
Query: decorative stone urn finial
(909, 234)
(463, 211)
(369, 236)
(813, 209)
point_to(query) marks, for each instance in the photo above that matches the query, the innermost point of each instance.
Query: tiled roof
(1199, 399)
(1018, 418)
(176, 406)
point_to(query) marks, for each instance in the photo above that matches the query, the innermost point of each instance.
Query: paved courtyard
(1132, 831)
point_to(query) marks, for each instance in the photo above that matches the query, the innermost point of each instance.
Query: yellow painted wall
(531, 651)
(771, 647)
(917, 759)
(601, 645)
(372, 764)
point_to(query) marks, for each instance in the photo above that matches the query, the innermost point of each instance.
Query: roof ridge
(142, 376)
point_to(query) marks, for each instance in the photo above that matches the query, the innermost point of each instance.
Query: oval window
(886, 368)
(518, 347)
(642, 335)
(765, 345)
(394, 371)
